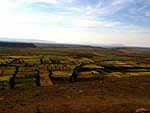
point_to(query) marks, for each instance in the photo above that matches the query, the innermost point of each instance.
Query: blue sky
(77, 21)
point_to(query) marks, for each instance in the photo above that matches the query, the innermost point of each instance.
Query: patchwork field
(74, 80)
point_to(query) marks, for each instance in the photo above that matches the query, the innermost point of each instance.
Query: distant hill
(59, 45)
(16, 45)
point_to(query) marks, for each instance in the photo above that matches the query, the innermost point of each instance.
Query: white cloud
(147, 13)
(54, 2)
(95, 24)
(84, 24)
(106, 8)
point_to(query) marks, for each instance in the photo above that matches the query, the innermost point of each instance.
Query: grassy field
(74, 80)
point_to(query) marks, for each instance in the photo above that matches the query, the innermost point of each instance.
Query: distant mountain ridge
(55, 44)
(51, 44)
(16, 45)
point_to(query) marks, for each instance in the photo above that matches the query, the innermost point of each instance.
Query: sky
(93, 22)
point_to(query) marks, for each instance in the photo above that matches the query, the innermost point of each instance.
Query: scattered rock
(80, 91)
(1, 98)
(68, 97)
(142, 110)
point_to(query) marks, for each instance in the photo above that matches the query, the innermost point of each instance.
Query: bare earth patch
(112, 95)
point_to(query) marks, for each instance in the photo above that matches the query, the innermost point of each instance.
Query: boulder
(142, 110)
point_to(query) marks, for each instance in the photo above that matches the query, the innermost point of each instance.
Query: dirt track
(113, 95)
